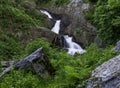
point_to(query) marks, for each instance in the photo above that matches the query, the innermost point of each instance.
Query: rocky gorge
(93, 69)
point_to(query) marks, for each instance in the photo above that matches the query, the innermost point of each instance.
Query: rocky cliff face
(80, 28)
(84, 32)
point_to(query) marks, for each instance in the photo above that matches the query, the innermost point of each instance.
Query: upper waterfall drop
(46, 13)
(54, 17)
(56, 27)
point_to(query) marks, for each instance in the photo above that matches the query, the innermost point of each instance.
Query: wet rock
(59, 41)
(37, 61)
(84, 32)
(106, 75)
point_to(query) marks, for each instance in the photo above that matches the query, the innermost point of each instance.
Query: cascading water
(71, 46)
(56, 27)
(46, 13)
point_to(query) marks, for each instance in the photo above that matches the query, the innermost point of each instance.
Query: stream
(71, 46)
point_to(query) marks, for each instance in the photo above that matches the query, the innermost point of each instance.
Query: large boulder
(36, 62)
(106, 75)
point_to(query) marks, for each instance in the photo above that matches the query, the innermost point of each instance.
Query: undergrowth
(70, 71)
(105, 15)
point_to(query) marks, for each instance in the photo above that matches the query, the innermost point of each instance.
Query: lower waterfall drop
(72, 46)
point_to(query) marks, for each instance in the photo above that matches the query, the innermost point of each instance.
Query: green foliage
(9, 48)
(14, 21)
(16, 17)
(76, 70)
(71, 71)
(18, 79)
(106, 16)
(34, 45)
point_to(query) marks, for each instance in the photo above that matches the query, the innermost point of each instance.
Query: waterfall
(56, 27)
(46, 13)
(71, 46)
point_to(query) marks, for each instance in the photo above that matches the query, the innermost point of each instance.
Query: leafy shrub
(34, 45)
(71, 71)
(106, 16)
(16, 17)
(18, 79)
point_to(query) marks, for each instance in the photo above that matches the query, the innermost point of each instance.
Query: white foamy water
(73, 47)
(46, 13)
(56, 27)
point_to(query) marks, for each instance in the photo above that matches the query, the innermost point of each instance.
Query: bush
(18, 79)
(71, 71)
(34, 45)
(106, 17)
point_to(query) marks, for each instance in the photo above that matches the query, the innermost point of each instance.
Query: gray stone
(5, 64)
(107, 75)
(117, 46)
(37, 62)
